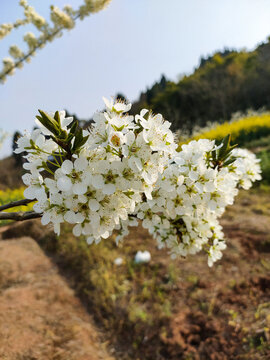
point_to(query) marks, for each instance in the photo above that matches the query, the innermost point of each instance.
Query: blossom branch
(19, 216)
(61, 20)
(13, 204)
(126, 168)
(25, 58)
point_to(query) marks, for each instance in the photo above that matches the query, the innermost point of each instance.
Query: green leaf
(48, 122)
(229, 161)
(49, 126)
(78, 140)
(214, 155)
(225, 146)
(74, 126)
(57, 118)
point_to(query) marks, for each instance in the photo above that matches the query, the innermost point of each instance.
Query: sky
(124, 48)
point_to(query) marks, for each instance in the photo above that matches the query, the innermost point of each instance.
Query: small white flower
(118, 261)
(142, 257)
(119, 107)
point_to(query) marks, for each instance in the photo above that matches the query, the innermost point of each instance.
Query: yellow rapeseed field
(242, 130)
(6, 196)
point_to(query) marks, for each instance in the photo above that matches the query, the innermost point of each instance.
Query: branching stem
(19, 216)
(13, 204)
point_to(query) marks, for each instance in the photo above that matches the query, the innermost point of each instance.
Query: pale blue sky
(122, 49)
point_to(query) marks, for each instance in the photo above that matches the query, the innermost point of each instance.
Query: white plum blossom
(118, 261)
(215, 252)
(142, 257)
(128, 169)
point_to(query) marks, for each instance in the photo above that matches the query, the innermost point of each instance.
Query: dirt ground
(40, 318)
(214, 313)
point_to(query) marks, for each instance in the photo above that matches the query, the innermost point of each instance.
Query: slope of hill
(224, 83)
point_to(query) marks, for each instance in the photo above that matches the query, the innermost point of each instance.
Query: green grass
(265, 165)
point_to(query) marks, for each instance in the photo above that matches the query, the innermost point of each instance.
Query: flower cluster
(5, 29)
(126, 168)
(32, 16)
(192, 194)
(60, 20)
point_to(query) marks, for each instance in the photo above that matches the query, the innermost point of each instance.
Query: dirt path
(40, 317)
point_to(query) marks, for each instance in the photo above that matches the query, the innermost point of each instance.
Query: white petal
(41, 195)
(179, 160)
(77, 230)
(138, 163)
(105, 235)
(66, 121)
(56, 227)
(108, 103)
(40, 141)
(90, 240)
(108, 189)
(97, 181)
(64, 183)
(70, 217)
(80, 164)
(94, 204)
(26, 178)
(79, 218)
(79, 188)
(67, 167)
(143, 112)
(30, 192)
(46, 218)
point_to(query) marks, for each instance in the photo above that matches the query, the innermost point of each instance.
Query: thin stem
(46, 168)
(54, 164)
(13, 204)
(19, 216)
(55, 158)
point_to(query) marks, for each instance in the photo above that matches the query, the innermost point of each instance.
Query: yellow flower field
(242, 130)
(6, 196)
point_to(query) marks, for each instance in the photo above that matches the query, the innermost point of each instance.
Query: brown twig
(19, 216)
(12, 204)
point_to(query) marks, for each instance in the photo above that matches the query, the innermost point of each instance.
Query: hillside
(224, 83)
